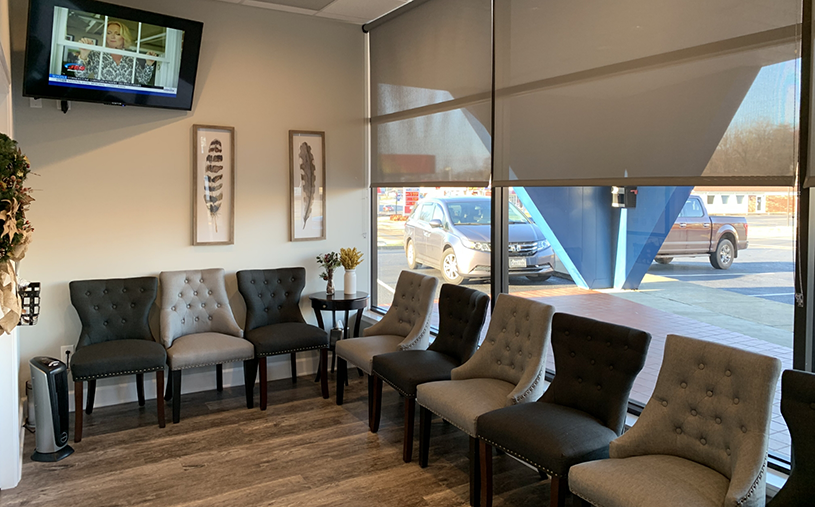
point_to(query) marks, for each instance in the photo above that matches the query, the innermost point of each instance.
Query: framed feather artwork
(213, 185)
(307, 182)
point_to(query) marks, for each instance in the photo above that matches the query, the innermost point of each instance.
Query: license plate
(517, 263)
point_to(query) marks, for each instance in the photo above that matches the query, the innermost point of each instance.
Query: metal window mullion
(138, 46)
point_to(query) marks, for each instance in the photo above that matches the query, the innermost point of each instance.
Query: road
(764, 270)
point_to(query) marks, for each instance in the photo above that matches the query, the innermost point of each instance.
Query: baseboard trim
(118, 390)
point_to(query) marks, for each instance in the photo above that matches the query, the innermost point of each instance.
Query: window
(739, 199)
(711, 199)
(725, 198)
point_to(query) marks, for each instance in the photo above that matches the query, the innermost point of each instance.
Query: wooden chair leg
(159, 399)
(475, 473)
(324, 372)
(424, 436)
(219, 377)
(370, 395)
(293, 368)
(77, 412)
(91, 396)
(264, 386)
(486, 473)
(140, 388)
(250, 371)
(342, 374)
(375, 403)
(168, 391)
(410, 415)
(176, 376)
(558, 490)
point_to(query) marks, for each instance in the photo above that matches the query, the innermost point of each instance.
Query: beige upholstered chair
(405, 326)
(506, 370)
(701, 439)
(198, 329)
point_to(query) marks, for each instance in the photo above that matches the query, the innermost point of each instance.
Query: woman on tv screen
(111, 66)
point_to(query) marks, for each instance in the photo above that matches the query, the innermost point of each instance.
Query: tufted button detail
(571, 354)
(664, 403)
(124, 321)
(189, 306)
(280, 281)
(218, 305)
(703, 441)
(566, 332)
(709, 394)
(400, 321)
(507, 347)
(203, 305)
(105, 323)
(209, 292)
(599, 387)
(95, 307)
(105, 291)
(718, 420)
(132, 305)
(252, 282)
(201, 280)
(265, 282)
(499, 361)
(727, 451)
(124, 290)
(195, 293)
(196, 319)
(693, 413)
(279, 307)
(592, 361)
(179, 294)
(210, 317)
(735, 401)
(88, 293)
(683, 385)
(504, 330)
(701, 366)
(727, 373)
(678, 431)
(141, 290)
(113, 306)
(611, 367)
(173, 308)
(579, 380)
(186, 281)
(588, 338)
(744, 429)
(608, 344)
(625, 347)
(287, 294)
(260, 295)
(513, 366)
(183, 320)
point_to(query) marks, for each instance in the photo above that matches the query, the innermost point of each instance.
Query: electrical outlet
(65, 353)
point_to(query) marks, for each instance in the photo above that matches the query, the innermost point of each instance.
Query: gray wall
(113, 185)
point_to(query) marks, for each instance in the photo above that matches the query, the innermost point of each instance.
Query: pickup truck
(695, 232)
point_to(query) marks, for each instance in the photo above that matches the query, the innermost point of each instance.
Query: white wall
(113, 191)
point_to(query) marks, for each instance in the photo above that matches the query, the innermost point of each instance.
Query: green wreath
(15, 199)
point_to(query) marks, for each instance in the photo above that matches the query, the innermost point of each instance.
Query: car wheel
(410, 254)
(539, 278)
(722, 258)
(449, 268)
(664, 260)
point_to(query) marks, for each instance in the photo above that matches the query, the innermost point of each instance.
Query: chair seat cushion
(202, 349)
(462, 401)
(646, 481)
(548, 436)
(117, 357)
(286, 337)
(361, 351)
(407, 369)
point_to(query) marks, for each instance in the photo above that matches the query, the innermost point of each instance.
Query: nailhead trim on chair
(520, 457)
(212, 364)
(529, 390)
(448, 420)
(406, 395)
(755, 484)
(133, 372)
(291, 350)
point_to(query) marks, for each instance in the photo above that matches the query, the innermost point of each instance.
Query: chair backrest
(711, 404)
(595, 366)
(515, 343)
(461, 316)
(272, 296)
(410, 310)
(798, 409)
(195, 301)
(114, 309)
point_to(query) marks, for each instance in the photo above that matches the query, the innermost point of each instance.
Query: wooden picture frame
(307, 185)
(213, 185)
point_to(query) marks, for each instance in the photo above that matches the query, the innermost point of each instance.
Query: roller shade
(648, 92)
(431, 87)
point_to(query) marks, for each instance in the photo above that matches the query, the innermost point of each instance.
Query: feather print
(213, 201)
(308, 174)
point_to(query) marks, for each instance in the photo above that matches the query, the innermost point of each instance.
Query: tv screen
(98, 52)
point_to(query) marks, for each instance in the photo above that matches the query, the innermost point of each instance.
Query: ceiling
(351, 11)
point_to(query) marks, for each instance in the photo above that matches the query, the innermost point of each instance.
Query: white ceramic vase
(350, 281)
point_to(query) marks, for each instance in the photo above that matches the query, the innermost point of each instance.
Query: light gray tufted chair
(506, 370)
(406, 326)
(701, 439)
(198, 329)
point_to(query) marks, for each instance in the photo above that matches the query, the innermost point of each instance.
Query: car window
(438, 214)
(692, 209)
(427, 211)
(469, 213)
(516, 216)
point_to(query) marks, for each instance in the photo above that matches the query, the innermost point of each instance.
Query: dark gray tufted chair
(275, 324)
(798, 409)
(701, 439)
(506, 370)
(405, 326)
(198, 329)
(115, 338)
(583, 409)
(461, 316)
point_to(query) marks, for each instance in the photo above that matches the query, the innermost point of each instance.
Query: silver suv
(452, 234)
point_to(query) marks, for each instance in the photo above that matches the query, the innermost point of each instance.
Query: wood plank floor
(303, 451)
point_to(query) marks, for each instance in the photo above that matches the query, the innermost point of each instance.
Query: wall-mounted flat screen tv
(93, 51)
